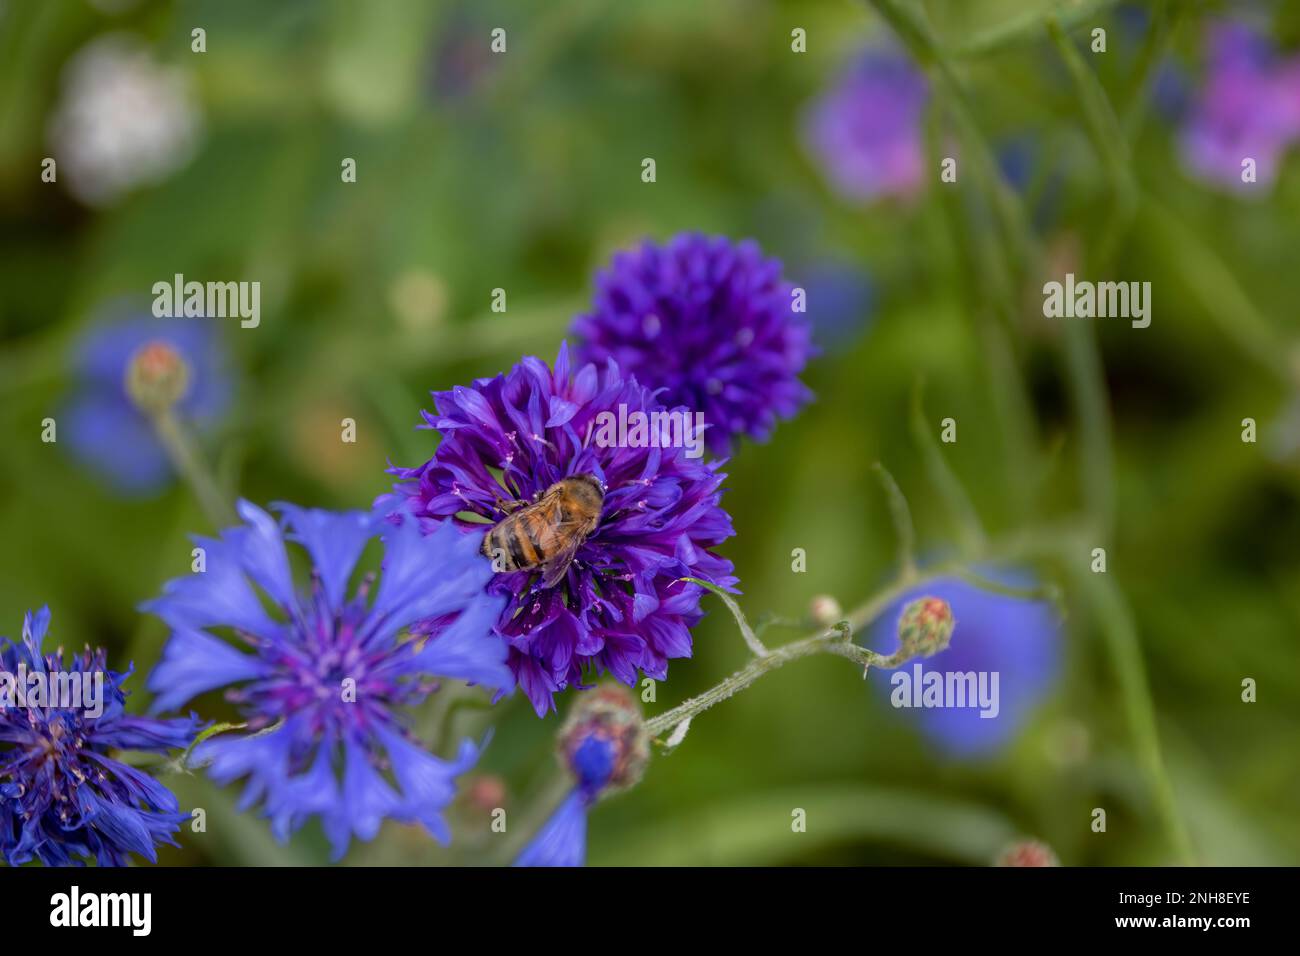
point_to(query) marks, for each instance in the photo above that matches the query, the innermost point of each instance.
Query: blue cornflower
(329, 674)
(605, 747)
(63, 798)
(104, 428)
(1020, 640)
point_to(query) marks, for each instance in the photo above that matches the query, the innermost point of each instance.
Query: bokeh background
(522, 171)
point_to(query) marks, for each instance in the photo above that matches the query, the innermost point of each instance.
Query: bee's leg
(505, 506)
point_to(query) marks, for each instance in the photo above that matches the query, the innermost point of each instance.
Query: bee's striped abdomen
(534, 530)
(548, 531)
(515, 542)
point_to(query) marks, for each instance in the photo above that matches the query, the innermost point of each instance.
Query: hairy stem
(838, 641)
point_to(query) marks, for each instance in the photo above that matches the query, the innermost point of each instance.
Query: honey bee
(548, 532)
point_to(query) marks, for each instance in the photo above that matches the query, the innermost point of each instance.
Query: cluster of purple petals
(64, 799)
(622, 606)
(711, 324)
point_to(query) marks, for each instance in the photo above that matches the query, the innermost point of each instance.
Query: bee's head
(589, 484)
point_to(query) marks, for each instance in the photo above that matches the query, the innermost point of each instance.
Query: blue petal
(147, 733)
(35, 626)
(107, 434)
(334, 541)
(261, 551)
(120, 826)
(289, 805)
(425, 576)
(263, 758)
(562, 840)
(194, 662)
(428, 783)
(467, 649)
(217, 596)
(367, 800)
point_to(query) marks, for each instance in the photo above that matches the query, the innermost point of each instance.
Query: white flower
(122, 120)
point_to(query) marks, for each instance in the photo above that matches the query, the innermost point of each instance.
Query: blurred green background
(522, 171)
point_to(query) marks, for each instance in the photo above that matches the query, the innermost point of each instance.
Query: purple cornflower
(865, 130)
(620, 606)
(328, 673)
(709, 322)
(103, 426)
(63, 798)
(605, 748)
(1018, 640)
(1247, 107)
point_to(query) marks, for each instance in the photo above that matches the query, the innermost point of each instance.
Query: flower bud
(825, 610)
(604, 742)
(925, 627)
(1027, 853)
(157, 377)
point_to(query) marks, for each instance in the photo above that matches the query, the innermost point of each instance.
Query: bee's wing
(554, 569)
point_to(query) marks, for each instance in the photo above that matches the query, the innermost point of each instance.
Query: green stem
(901, 516)
(1027, 25)
(1107, 139)
(1125, 650)
(990, 259)
(187, 460)
(1087, 386)
(746, 632)
(970, 533)
(838, 641)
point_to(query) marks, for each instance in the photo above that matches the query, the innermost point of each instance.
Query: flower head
(1247, 107)
(866, 129)
(62, 796)
(180, 360)
(604, 745)
(1018, 640)
(329, 669)
(619, 605)
(122, 121)
(710, 323)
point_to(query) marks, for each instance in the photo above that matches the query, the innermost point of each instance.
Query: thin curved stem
(838, 641)
(185, 458)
